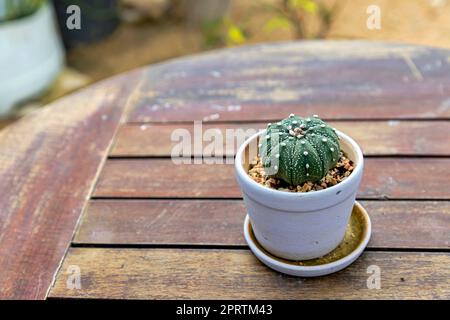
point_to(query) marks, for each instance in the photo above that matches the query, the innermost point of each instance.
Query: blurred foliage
(294, 13)
(222, 32)
(284, 14)
(15, 9)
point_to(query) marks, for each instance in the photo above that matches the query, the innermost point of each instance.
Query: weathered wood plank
(402, 178)
(335, 79)
(162, 222)
(219, 222)
(375, 137)
(48, 163)
(237, 274)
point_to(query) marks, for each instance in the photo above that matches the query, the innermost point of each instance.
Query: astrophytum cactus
(297, 149)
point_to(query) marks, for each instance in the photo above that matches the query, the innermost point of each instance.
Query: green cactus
(297, 150)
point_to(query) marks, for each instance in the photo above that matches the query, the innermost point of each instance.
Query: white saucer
(330, 263)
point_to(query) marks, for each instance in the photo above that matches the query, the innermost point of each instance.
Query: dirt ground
(424, 22)
(132, 45)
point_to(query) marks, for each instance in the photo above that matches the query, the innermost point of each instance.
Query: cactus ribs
(298, 150)
(300, 155)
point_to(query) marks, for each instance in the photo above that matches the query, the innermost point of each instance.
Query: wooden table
(87, 185)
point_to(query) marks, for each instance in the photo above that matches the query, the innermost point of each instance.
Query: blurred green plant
(290, 15)
(222, 32)
(294, 14)
(15, 9)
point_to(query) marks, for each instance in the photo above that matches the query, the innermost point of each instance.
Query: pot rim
(304, 195)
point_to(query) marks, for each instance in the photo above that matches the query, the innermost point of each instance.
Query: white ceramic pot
(299, 226)
(31, 55)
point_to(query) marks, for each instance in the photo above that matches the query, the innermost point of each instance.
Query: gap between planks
(384, 178)
(48, 164)
(219, 223)
(376, 138)
(237, 274)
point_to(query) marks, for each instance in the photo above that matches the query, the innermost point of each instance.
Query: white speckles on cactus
(307, 158)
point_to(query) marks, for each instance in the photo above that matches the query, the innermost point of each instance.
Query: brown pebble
(340, 172)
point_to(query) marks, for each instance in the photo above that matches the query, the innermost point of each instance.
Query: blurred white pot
(31, 55)
(299, 226)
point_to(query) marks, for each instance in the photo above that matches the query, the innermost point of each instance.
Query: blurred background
(49, 48)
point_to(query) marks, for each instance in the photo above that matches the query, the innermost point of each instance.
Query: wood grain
(162, 222)
(375, 137)
(335, 79)
(48, 163)
(384, 178)
(219, 222)
(236, 274)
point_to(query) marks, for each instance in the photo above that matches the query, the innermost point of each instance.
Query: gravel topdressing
(339, 173)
